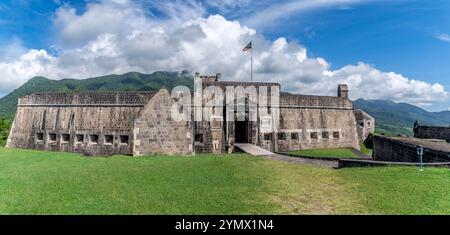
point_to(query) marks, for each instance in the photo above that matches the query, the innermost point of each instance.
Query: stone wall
(203, 137)
(396, 149)
(365, 124)
(318, 102)
(155, 132)
(309, 122)
(432, 132)
(89, 123)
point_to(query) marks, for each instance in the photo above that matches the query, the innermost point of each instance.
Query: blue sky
(394, 37)
(408, 37)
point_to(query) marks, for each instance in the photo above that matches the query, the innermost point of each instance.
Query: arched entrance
(241, 131)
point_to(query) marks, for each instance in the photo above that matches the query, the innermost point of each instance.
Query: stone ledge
(80, 105)
(343, 163)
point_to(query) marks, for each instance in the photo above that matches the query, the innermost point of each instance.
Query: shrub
(5, 126)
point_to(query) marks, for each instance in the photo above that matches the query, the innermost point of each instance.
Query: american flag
(248, 47)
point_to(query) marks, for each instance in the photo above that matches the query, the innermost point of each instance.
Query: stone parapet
(87, 98)
(404, 149)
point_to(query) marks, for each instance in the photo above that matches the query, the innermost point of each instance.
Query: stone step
(252, 149)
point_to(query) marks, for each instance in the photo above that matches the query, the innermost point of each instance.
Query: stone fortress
(140, 123)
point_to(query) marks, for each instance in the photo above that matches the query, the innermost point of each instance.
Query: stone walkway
(258, 151)
(349, 162)
(363, 160)
(253, 149)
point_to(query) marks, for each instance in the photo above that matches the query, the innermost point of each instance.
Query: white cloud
(443, 37)
(118, 37)
(282, 10)
(370, 83)
(34, 62)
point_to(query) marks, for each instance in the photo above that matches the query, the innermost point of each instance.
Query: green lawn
(400, 190)
(329, 153)
(34, 182)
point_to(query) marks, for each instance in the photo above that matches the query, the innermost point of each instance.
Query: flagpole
(251, 63)
(246, 48)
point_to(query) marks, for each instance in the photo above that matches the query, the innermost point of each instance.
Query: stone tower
(343, 91)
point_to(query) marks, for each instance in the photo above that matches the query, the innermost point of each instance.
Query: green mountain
(132, 81)
(398, 118)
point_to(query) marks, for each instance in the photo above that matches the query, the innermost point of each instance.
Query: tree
(5, 126)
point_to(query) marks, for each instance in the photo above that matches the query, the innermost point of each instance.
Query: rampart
(404, 149)
(432, 132)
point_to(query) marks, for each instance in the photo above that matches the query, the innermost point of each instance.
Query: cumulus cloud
(370, 83)
(34, 62)
(121, 36)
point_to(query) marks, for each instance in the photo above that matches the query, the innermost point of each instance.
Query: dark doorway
(241, 131)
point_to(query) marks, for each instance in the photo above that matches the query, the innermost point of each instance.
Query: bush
(367, 145)
(5, 126)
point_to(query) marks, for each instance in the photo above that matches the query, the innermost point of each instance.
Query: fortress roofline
(138, 98)
(237, 83)
(435, 144)
(434, 126)
(309, 96)
(216, 79)
(89, 92)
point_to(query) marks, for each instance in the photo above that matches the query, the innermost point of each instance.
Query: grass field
(34, 182)
(329, 153)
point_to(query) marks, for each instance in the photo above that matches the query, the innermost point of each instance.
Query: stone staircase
(252, 149)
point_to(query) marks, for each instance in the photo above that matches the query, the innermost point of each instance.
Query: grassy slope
(35, 182)
(332, 153)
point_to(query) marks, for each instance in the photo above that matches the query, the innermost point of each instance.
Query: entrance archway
(241, 131)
